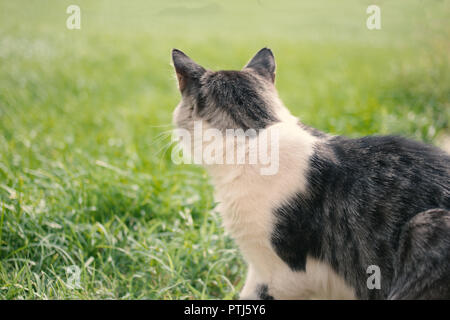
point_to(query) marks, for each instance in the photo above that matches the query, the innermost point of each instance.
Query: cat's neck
(292, 145)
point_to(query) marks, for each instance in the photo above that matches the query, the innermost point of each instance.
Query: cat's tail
(422, 264)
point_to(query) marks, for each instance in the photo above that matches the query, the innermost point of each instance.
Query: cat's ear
(187, 70)
(263, 63)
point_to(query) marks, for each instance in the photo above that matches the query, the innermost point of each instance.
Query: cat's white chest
(247, 210)
(247, 201)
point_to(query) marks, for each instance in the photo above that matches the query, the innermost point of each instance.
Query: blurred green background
(85, 171)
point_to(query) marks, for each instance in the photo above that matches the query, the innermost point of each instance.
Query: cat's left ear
(264, 64)
(188, 72)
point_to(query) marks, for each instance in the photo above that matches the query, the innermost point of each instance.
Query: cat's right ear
(188, 72)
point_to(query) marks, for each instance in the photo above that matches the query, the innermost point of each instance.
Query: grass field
(85, 172)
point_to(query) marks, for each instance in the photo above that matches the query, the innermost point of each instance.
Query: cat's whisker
(165, 146)
(161, 125)
(160, 137)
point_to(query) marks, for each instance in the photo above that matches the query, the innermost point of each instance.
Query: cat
(336, 207)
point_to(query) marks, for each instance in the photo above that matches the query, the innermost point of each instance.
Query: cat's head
(244, 99)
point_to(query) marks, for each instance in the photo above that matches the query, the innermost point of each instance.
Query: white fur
(246, 201)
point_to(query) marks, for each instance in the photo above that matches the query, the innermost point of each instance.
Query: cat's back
(394, 166)
(362, 191)
(399, 150)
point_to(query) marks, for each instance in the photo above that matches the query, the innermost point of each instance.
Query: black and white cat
(336, 205)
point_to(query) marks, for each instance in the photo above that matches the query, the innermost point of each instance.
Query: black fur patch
(262, 292)
(422, 259)
(360, 194)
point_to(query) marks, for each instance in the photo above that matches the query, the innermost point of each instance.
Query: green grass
(85, 173)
